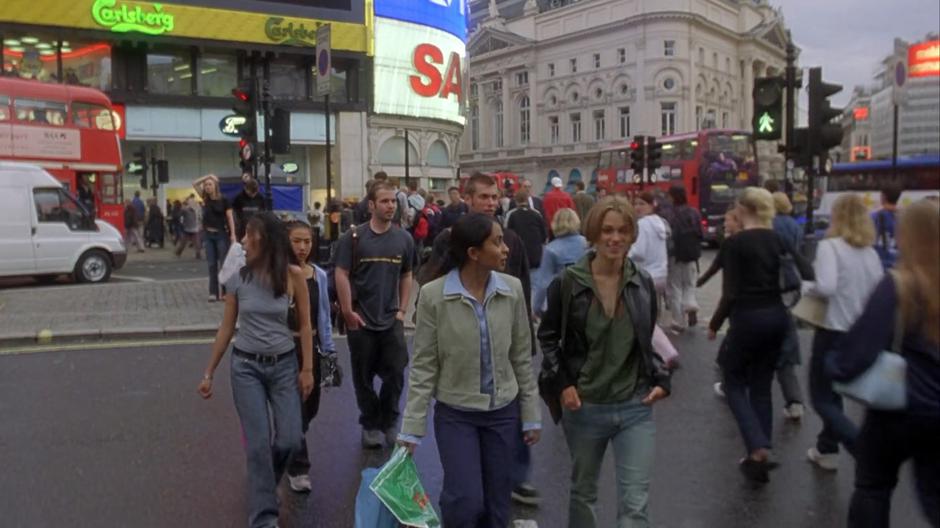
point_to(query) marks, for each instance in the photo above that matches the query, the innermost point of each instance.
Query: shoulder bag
(884, 385)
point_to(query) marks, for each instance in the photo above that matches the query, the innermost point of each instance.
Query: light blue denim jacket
(557, 255)
(324, 324)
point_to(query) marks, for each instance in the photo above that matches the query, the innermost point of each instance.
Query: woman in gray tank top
(264, 366)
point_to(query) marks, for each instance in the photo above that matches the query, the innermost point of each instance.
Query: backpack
(686, 236)
(420, 226)
(401, 217)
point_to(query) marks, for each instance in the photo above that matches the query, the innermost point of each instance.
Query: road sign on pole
(323, 60)
(900, 78)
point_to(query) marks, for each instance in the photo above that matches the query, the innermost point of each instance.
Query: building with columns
(554, 81)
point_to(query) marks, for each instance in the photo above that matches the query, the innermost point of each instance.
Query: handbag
(811, 309)
(883, 386)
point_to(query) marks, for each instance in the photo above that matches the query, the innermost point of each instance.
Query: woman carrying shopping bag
(473, 355)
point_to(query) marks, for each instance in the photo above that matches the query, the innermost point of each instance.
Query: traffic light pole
(329, 177)
(153, 173)
(894, 144)
(790, 114)
(265, 111)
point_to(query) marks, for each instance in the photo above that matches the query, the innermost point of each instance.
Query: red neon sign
(426, 57)
(923, 60)
(860, 113)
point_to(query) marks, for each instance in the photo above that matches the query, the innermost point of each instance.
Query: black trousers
(886, 441)
(381, 353)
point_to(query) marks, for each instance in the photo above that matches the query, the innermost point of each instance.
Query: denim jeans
(629, 427)
(748, 362)
(256, 388)
(216, 243)
(837, 428)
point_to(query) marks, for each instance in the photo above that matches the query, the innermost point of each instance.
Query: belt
(264, 359)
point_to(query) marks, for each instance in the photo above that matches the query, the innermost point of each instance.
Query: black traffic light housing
(654, 155)
(823, 133)
(244, 106)
(638, 155)
(767, 123)
(140, 160)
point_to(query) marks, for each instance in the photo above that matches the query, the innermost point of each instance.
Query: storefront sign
(418, 71)
(189, 21)
(124, 18)
(923, 60)
(39, 142)
(230, 123)
(446, 15)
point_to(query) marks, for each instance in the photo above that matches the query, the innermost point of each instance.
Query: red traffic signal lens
(240, 94)
(242, 143)
(634, 145)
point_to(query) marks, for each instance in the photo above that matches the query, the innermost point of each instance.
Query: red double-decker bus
(712, 165)
(71, 132)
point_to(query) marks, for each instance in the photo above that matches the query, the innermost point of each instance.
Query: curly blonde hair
(850, 221)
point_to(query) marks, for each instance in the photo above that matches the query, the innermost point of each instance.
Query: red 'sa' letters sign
(430, 82)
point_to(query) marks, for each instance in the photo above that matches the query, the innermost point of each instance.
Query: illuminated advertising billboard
(923, 60)
(419, 71)
(446, 15)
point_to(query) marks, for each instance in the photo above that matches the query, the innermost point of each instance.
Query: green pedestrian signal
(768, 107)
(766, 124)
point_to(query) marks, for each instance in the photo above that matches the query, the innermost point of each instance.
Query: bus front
(727, 163)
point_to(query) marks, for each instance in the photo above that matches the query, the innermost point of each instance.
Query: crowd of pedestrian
(595, 284)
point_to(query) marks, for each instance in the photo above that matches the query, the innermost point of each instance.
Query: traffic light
(767, 122)
(637, 155)
(139, 166)
(654, 155)
(244, 107)
(823, 134)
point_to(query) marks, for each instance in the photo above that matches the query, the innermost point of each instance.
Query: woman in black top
(218, 228)
(751, 263)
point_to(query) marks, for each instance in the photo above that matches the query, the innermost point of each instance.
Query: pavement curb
(74, 335)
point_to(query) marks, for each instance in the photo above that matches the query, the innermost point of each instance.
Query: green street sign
(151, 20)
(765, 124)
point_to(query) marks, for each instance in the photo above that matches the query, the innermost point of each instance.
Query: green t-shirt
(611, 371)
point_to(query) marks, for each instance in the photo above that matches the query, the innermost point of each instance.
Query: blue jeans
(216, 243)
(256, 388)
(629, 427)
(837, 428)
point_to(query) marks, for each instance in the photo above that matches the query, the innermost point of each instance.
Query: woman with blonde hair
(847, 270)
(218, 228)
(751, 297)
(907, 299)
(565, 249)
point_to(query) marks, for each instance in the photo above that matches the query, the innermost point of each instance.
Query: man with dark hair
(685, 223)
(380, 176)
(885, 219)
(530, 227)
(248, 203)
(454, 210)
(361, 214)
(373, 280)
(535, 203)
(583, 202)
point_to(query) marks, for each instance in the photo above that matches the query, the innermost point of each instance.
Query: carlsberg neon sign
(124, 18)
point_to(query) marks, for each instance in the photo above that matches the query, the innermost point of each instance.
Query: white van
(45, 233)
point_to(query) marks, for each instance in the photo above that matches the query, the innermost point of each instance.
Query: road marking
(66, 347)
(132, 278)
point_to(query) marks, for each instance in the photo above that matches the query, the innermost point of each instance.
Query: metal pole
(329, 179)
(266, 111)
(153, 172)
(407, 161)
(894, 145)
(790, 114)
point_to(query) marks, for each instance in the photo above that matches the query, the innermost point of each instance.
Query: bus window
(88, 115)
(40, 112)
(682, 150)
(604, 161)
(4, 108)
(622, 158)
(737, 146)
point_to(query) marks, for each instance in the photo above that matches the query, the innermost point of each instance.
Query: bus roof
(56, 92)
(619, 145)
(925, 160)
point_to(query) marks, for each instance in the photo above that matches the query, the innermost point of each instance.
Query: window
(715, 60)
(553, 129)
(551, 69)
(53, 205)
(437, 155)
(170, 73)
(87, 115)
(701, 56)
(698, 118)
(574, 65)
(498, 124)
(574, 97)
(669, 48)
(624, 115)
(30, 56)
(597, 60)
(473, 90)
(727, 64)
(474, 127)
(217, 74)
(600, 126)
(668, 113)
(669, 83)
(724, 120)
(522, 78)
(87, 64)
(498, 85)
(288, 78)
(40, 111)
(622, 55)
(524, 126)
(575, 128)
(4, 108)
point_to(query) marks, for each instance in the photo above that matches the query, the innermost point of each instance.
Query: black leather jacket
(562, 362)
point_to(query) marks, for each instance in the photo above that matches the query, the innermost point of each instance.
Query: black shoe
(526, 493)
(757, 470)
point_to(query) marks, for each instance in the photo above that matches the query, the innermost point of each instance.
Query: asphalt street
(116, 436)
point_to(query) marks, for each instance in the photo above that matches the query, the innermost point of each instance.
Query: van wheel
(93, 266)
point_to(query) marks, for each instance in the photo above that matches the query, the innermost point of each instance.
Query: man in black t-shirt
(248, 203)
(373, 281)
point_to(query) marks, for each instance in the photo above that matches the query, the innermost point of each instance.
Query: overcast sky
(848, 38)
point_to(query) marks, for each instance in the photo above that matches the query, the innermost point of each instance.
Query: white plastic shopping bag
(662, 346)
(234, 260)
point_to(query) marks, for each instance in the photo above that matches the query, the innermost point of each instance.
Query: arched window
(548, 183)
(592, 187)
(393, 152)
(437, 155)
(525, 128)
(573, 177)
(498, 124)
(474, 127)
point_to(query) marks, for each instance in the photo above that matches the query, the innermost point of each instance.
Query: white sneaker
(300, 483)
(719, 391)
(829, 462)
(794, 411)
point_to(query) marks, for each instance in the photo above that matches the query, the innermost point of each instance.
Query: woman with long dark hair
(473, 354)
(264, 369)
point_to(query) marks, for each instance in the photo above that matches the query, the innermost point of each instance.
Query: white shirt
(649, 250)
(845, 275)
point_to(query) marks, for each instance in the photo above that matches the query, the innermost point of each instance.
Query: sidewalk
(89, 312)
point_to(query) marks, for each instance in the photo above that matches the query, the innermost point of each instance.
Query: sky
(849, 38)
